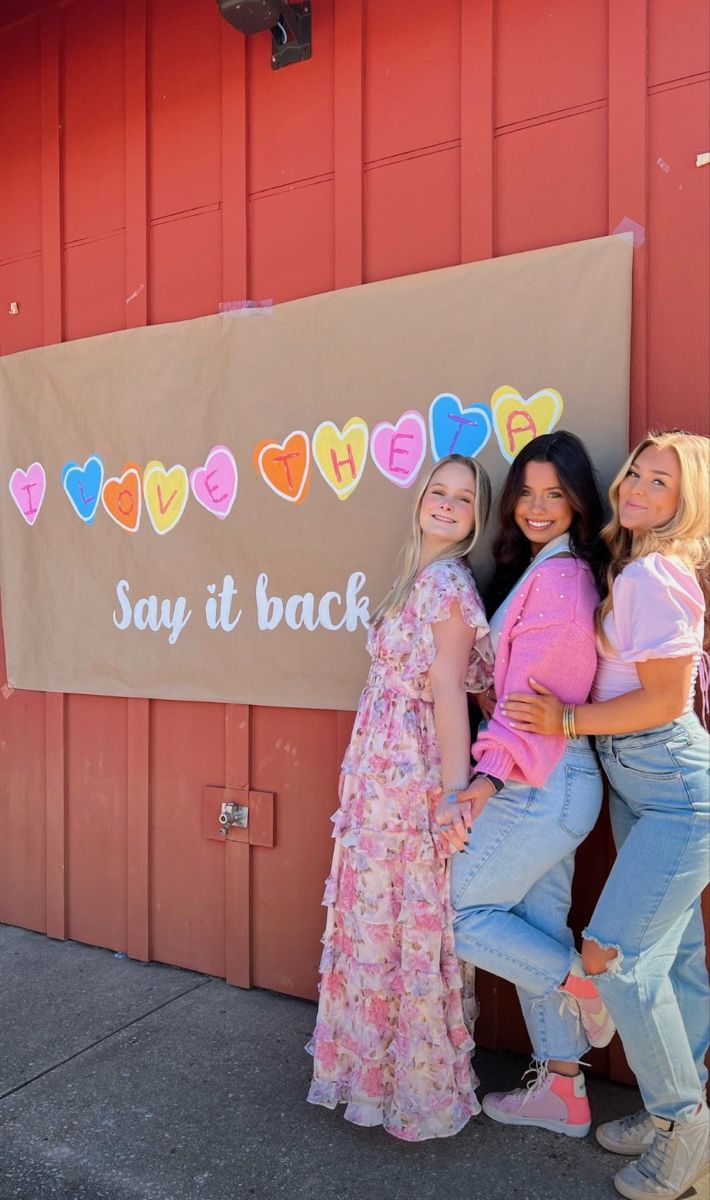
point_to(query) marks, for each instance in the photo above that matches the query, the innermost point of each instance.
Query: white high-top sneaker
(676, 1159)
(630, 1135)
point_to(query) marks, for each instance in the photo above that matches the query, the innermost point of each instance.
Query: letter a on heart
(518, 420)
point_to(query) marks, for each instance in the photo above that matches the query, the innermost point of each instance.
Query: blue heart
(83, 486)
(454, 429)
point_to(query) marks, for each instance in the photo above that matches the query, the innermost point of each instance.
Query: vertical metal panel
(22, 806)
(95, 768)
(679, 255)
(93, 166)
(477, 123)
(20, 137)
(628, 38)
(559, 167)
(187, 900)
(412, 93)
(348, 137)
(678, 40)
(551, 56)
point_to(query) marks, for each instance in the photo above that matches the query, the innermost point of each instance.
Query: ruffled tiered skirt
(390, 1040)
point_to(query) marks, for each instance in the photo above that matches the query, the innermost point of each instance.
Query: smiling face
(446, 514)
(649, 494)
(542, 511)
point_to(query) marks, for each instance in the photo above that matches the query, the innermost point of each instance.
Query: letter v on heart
(165, 494)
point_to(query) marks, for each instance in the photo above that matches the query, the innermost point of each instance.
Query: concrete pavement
(126, 1081)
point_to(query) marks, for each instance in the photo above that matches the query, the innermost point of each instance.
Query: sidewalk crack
(112, 1033)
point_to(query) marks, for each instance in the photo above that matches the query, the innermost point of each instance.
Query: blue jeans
(511, 891)
(656, 989)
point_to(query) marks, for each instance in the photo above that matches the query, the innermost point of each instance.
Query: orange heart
(286, 466)
(122, 499)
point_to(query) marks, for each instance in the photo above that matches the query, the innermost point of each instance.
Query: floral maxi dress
(390, 1040)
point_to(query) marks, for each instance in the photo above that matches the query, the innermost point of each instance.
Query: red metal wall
(154, 165)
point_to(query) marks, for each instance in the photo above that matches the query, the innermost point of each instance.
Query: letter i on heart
(27, 489)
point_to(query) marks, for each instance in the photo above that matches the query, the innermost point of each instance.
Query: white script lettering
(150, 613)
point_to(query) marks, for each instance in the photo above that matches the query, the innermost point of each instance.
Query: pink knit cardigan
(548, 633)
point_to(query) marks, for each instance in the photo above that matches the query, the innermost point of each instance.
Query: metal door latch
(233, 815)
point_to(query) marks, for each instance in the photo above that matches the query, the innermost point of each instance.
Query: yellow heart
(165, 494)
(341, 456)
(517, 420)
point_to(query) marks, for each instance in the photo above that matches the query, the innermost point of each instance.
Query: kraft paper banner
(207, 510)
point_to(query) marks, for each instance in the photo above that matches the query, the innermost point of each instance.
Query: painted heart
(398, 450)
(27, 489)
(83, 486)
(121, 497)
(518, 420)
(286, 466)
(454, 429)
(165, 494)
(214, 486)
(341, 455)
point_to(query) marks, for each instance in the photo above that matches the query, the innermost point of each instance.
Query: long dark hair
(511, 549)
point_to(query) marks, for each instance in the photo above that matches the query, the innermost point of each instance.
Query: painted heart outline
(174, 478)
(83, 487)
(329, 466)
(456, 429)
(128, 483)
(209, 481)
(23, 484)
(398, 450)
(518, 419)
(264, 460)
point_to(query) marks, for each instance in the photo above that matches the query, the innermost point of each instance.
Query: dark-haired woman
(533, 800)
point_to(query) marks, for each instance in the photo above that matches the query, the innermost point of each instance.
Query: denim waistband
(688, 723)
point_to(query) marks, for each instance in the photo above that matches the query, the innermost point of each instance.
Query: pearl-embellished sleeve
(550, 636)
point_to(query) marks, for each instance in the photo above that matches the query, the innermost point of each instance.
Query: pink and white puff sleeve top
(658, 612)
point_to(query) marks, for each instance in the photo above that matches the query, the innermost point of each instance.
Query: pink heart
(214, 486)
(27, 489)
(398, 450)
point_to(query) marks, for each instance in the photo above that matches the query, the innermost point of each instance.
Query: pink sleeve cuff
(496, 762)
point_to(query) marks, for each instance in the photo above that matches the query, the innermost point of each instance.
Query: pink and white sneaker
(579, 993)
(556, 1102)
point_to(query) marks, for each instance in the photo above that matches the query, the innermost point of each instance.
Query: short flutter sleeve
(436, 591)
(658, 610)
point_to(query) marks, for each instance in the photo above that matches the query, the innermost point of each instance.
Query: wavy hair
(396, 597)
(577, 479)
(686, 536)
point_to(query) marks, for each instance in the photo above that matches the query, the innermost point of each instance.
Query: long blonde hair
(686, 535)
(396, 597)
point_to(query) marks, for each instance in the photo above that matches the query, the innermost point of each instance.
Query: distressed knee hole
(598, 958)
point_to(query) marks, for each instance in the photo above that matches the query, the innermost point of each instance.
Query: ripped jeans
(656, 989)
(511, 890)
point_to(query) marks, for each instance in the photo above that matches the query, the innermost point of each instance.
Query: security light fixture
(290, 26)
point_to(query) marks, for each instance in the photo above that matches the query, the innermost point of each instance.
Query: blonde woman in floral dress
(390, 1040)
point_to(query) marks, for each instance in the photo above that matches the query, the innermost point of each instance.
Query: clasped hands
(458, 810)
